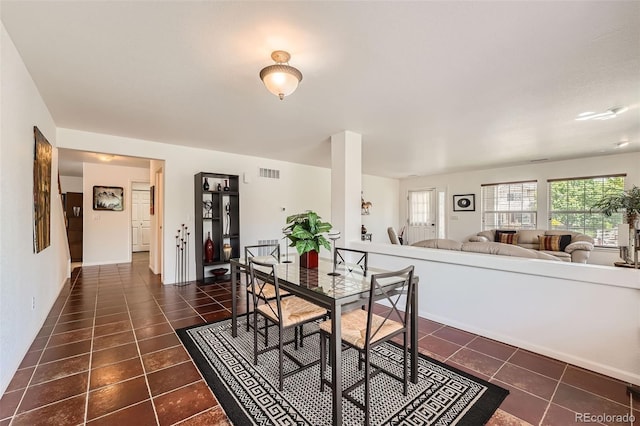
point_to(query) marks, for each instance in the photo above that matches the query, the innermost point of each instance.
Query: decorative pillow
(499, 233)
(554, 242)
(508, 238)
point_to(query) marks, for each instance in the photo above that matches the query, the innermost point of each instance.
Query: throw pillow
(565, 240)
(554, 242)
(499, 233)
(508, 238)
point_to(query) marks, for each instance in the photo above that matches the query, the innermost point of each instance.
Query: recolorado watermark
(605, 418)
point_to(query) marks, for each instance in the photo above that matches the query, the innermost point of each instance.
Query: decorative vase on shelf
(363, 230)
(309, 259)
(226, 249)
(208, 249)
(219, 187)
(226, 185)
(205, 186)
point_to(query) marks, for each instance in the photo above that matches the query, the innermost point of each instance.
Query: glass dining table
(336, 293)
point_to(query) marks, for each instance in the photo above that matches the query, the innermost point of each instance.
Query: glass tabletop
(350, 282)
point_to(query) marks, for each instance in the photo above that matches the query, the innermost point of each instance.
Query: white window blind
(510, 205)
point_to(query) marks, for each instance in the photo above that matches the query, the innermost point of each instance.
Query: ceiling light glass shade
(280, 79)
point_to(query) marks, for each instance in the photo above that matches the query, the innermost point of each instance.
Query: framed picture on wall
(108, 198)
(464, 203)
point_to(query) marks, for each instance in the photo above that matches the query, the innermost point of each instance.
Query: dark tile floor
(108, 354)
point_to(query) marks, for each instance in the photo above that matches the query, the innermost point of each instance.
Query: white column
(346, 184)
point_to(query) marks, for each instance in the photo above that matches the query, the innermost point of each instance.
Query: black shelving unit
(222, 225)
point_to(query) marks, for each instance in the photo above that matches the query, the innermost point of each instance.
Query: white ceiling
(431, 86)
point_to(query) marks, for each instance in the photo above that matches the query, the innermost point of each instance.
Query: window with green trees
(570, 207)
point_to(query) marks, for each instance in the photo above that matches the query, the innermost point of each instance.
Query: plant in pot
(307, 237)
(628, 200)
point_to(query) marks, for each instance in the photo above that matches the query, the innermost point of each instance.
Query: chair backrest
(391, 287)
(351, 259)
(393, 236)
(262, 250)
(262, 280)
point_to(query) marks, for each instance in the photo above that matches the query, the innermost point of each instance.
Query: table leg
(336, 363)
(234, 309)
(414, 334)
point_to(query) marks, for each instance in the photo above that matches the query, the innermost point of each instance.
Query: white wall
(24, 274)
(106, 234)
(71, 184)
(586, 315)
(383, 193)
(299, 188)
(462, 224)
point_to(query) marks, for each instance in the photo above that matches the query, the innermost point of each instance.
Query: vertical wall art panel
(41, 192)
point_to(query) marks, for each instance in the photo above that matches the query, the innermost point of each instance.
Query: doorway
(140, 217)
(422, 220)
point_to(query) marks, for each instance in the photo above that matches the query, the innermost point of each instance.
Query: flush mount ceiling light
(281, 79)
(622, 144)
(606, 115)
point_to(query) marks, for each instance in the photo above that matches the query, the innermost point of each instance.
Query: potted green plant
(628, 200)
(305, 231)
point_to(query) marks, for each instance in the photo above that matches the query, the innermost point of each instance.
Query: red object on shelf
(309, 259)
(208, 249)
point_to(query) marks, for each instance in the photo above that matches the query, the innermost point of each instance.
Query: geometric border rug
(249, 393)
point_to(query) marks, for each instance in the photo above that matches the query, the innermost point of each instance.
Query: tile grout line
(144, 370)
(93, 331)
(546, 410)
(15, 412)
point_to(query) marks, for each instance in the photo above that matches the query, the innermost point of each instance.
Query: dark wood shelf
(216, 226)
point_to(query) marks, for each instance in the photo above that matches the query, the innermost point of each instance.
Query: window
(570, 202)
(419, 206)
(510, 205)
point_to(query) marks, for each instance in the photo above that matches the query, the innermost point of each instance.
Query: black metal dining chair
(287, 313)
(363, 330)
(263, 251)
(351, 259)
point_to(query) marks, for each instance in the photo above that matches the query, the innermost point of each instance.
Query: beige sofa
(486, 247)
(577, 251)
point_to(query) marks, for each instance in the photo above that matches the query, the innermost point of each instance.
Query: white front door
(422, 216)
(140, 221)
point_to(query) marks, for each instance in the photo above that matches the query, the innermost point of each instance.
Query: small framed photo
(464, 203)
(108, 198)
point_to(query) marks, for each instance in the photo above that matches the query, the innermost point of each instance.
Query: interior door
(422, 216)
(140, 221)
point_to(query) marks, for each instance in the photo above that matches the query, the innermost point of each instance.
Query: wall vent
(269, 173)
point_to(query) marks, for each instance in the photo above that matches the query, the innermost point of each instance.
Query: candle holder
(333, 236)
(286, 232)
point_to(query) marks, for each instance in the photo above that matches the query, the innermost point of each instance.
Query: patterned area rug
(249, 393)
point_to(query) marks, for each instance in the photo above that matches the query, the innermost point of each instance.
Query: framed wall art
(464, 203)
(108, 198)
(41, 192)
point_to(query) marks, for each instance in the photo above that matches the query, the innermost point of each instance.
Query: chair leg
(301, 335)
(323, 354)
(295, 338)
(406, 355)
(266, 332)
(280, 355)
(255, 338)
(247, 310)
(366, 387)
